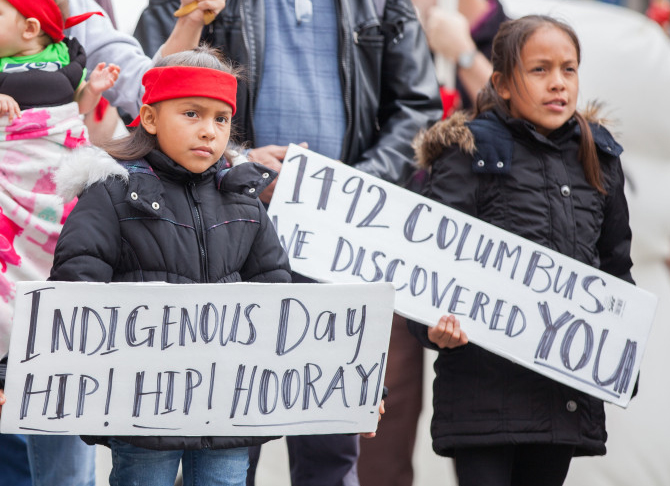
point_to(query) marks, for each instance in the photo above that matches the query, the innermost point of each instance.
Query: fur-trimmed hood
(429, 144)
(83, 168)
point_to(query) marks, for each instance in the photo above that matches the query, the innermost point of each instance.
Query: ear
(148, 117)
(32, 28)
(500, 85)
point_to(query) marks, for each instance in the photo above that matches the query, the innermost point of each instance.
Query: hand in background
(271, 156)
(448, 333)
(448, 33)
(103, 77)
(370, 435)
(200, 11)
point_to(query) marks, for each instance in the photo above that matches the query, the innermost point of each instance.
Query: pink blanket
(32, 148)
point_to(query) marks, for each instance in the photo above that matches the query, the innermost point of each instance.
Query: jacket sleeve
(615, 238)
(90, 242)
(409, 99)
(103, 43)
(420, 332)
(452, 182)
(267, 260)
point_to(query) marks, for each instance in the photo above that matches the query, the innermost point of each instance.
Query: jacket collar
(601, 136)
(146, 193)
(525, 128)
(493, 131)
(168, 169)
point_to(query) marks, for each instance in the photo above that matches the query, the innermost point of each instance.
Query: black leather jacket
(388, 79)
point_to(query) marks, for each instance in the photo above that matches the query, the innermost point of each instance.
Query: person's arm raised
(188, 28)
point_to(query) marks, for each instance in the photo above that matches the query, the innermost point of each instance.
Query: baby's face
(192, 131)
(12, 25)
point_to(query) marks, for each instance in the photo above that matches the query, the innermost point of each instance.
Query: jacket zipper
(194, 202)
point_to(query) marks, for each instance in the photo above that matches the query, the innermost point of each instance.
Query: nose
(557, 81)
(208, 129)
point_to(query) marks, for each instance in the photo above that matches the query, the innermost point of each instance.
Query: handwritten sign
(532, 305)
(210, 359)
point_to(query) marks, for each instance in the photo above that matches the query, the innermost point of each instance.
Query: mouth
(556, 104)
(202, 151)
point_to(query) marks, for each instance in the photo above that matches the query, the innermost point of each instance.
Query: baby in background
(39, 67)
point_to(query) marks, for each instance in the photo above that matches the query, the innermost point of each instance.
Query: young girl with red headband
(172, 209)
(40, 67)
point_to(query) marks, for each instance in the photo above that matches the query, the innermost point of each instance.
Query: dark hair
(139, 142)
(506, 58)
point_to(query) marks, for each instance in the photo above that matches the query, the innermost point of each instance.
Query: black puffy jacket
(533, 186)
(170, 225)
(388, 80)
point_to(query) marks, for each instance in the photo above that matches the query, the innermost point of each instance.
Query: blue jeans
(61, 460)
(14, 469)
(135, 466)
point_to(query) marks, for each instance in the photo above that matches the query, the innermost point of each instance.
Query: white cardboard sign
(532, 305)
(206, 360)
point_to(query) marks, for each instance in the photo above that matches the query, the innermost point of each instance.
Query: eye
(190, 114)
(222, 119)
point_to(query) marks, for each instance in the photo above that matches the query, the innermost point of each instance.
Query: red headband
(170, 82)
(49, 15)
